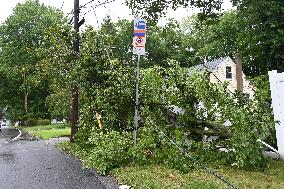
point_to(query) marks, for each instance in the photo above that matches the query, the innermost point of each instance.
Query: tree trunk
(25, 101)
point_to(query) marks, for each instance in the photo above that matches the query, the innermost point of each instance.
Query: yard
(162, 177)
(156, 176)
(49, 131)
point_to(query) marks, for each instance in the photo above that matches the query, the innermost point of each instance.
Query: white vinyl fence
(277, 93)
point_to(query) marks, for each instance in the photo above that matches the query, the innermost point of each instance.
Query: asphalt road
(40, 165)
(6, 134)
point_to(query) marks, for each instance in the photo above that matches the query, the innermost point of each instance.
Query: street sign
(139, 36)
(139, 41)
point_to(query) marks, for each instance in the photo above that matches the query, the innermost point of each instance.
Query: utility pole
(76, 48)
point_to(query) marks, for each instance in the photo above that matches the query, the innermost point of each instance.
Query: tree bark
(209, 132)
(25, 100)
(76, 48)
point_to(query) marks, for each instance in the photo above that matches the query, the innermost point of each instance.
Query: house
(222, 70)
(225, 69)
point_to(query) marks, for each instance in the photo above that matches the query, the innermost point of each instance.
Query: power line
(71, 12)
(84, 6)
(103, 3)
(100, 4)
(62, 5)
(101, 41)
(198, 163)
(95, 14)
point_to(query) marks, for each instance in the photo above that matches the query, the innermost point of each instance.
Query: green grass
(46, 127)
(49, 131)
(160, 177)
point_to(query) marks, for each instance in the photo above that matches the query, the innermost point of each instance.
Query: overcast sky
(117, 10)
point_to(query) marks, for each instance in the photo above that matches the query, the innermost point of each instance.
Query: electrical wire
(95, 14)
(198, 163)
(100, 4)
(62, 5)
(103, 3)
(101, 41)
(84, 6)
(216, 77)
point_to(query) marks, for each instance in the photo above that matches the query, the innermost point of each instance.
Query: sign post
(139, 41)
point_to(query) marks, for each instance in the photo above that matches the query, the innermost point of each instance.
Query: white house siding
(219, 75)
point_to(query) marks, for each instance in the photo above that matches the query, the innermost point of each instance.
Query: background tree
(164, 43)
(215, 39)
(23, 35)
(154, 9)
(255, 29)
(263, 31)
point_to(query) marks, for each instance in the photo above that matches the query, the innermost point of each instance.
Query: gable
(218, 73)
(210, 65)
(214, 64)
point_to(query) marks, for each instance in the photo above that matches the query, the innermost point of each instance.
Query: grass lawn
(160, 177)
(49, 131)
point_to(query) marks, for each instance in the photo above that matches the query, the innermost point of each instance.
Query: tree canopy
(37, 67)
(154, 9)
(255, 29)
(23, 35)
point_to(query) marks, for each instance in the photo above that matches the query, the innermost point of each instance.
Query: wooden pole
(76, 48)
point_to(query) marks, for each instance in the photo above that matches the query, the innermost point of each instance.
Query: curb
(17, 137)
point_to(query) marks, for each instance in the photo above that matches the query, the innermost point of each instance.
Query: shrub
(43, 122)
(38, 121)
(107, 150)
(32, 122)
(73, 148)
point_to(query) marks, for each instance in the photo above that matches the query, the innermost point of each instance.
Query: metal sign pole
(139, 41)
(137, 117)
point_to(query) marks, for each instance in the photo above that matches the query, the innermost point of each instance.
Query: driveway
(40, 165)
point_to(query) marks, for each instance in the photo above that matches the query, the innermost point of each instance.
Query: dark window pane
(228, 72)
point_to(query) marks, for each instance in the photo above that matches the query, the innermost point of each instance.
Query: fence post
(276, 81)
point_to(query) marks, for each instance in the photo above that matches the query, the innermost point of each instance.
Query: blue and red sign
(139, 28)
(139, 36)
(140, 24)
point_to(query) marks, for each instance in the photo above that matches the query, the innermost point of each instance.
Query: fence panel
(276, 81)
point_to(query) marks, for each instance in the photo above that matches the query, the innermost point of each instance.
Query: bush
(73, 148)
(43, 122)
(107, 150)
(38, 121)
(32, 122)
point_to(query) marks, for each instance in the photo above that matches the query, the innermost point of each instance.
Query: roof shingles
(210, 65)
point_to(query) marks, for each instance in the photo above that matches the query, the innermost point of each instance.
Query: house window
(228, 72)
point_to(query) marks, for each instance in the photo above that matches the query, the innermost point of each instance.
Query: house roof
(210, 65)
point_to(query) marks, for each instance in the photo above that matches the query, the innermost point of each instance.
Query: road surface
(40, 165)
